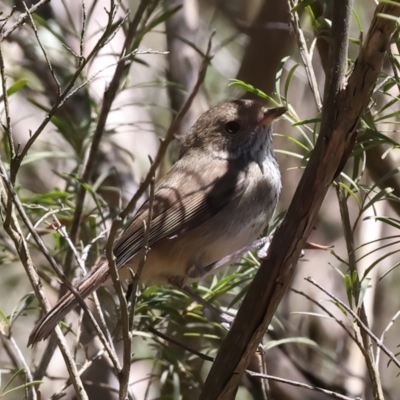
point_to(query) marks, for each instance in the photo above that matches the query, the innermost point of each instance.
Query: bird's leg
(196, 271)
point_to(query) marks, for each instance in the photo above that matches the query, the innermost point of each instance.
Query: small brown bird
(215, 200)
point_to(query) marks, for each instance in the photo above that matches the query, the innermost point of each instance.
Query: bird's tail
(68, 302)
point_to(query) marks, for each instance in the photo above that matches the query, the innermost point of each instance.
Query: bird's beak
(271, 114)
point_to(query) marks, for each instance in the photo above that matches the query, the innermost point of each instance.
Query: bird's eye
(232, 127)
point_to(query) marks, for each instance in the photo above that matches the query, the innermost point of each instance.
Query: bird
(216, 199)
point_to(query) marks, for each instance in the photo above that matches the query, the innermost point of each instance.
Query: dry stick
(12, 227)
(358, 320)
(21, 19)
(343, 107)
(16, 201)
(373, 369)
(46, 57)
(136, 279)
(339, 321)
(108, 99)
(262, 365)
(7, 128)
(17, 160)
(305, 56)
(302, 385)
(18, 359)
(390, 324)
(124, 376)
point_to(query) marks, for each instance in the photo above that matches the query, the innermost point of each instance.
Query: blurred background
(254, 42)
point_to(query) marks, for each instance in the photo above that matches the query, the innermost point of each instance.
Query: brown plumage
(216, 199)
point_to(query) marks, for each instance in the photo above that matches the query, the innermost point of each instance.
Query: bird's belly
(236, 226)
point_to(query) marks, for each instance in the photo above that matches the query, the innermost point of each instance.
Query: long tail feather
(68, 302)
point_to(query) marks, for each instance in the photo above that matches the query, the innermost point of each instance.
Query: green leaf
(302, 5)
(47, 154)
(381, 195)
(22, 305)
(15, 87)
(289, 78)
(351, 193)
(252, 89)
(307, 121)
(298, 340)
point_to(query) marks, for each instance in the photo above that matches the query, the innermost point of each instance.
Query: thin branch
(305, 56)
(145, 249)
(16, 201)
(302, 385)
(15, 354)
(372, 367)
(48, 62)
(386, 330)
(16, 162)
(12, 227)
(7, 127)
(108, 99)
(21, 19)
(358, 320)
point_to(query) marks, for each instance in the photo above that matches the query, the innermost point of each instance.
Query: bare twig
(48, 62)
(17, 160)
(136, 279)
(305, 56)
(358, 320)
(12, 227)
(7, 127)
(21, 19)
(15, 354)
(386, 330)
(302, 385)
(16, 201)
(372, 367)
(108, 99)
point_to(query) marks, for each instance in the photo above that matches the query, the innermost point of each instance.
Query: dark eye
(233, 127)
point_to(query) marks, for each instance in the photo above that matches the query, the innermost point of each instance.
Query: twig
(262, 365)
(108, 99)
(353, 337)
(16, 201)
(7, 127)
(145, 249)
(12, 227)
(44, 216)
(21, 19)
(386, 330)
(18, 359)
(302, 385)
(48, 62)
(359, 322)
(372, 367)
(305, 56)
(17, 160)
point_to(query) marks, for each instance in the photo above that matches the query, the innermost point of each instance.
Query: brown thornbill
(215, 200)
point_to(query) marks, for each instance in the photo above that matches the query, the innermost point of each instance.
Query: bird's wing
(180, 205)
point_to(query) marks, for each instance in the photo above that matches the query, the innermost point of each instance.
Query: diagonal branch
(342, 110)
(109, 97)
